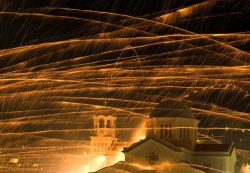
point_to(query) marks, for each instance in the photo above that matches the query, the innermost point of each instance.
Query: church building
(171, 145)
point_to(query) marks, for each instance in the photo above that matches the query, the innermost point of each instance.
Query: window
(101, 123)
(184, 133)
(187, 133)
(108, 124)
(166, 131)
(161, 132)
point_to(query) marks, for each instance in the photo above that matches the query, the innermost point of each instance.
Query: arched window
(101, 123)
(108, 125)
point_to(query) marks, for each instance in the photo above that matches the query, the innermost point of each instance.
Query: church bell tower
(104, 138)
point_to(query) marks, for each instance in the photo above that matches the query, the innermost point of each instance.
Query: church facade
(171, 146)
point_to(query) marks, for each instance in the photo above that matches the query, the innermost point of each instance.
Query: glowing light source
(14, 160)
(245, 168)
(35, 165)
(120, 157)
(97, 163)
(101, 159)
(140, 133)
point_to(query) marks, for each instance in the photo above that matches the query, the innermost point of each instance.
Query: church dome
(172, 108)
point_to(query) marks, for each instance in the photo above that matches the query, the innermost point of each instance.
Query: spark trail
(51, 85)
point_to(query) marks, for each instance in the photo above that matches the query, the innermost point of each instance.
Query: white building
(170, 146)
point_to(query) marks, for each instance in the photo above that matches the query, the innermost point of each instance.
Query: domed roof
(172, 108)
